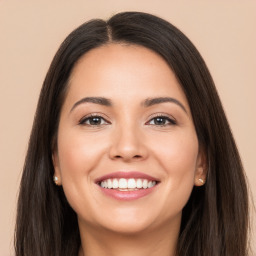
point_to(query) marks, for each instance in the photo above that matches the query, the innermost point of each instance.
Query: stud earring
(201, 180)
(55, 179)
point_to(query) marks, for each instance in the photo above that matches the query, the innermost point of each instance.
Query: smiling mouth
(130, 184)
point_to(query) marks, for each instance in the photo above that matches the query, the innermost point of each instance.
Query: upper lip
(126, 175)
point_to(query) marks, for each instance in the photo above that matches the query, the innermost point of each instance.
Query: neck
(146, 243)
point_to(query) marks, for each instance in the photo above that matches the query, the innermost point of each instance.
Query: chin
(129, 221)
(128, 227)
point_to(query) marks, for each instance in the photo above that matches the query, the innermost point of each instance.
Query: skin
(127, 138)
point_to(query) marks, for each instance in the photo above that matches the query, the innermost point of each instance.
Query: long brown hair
(215, 219)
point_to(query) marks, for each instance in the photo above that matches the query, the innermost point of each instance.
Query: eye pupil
(159, 120)
(95, 120)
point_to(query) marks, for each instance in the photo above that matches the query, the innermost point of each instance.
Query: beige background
(31, 31)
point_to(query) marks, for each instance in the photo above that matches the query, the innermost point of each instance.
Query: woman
(130, 127)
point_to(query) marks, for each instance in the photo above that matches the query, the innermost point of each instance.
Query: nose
(128, 145)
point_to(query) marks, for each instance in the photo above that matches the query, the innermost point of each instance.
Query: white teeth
(109, 182)
(131, 183)
(127, 184)
(122, 183)
(139, 183)
(115, 183)
(150, 184)
(145, 184)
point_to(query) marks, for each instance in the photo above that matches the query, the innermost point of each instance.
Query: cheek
(78, 157)
(78, 153)
(178, 153)
(177, 156)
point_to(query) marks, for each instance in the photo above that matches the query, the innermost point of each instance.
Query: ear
(56, 165)
(201, 168)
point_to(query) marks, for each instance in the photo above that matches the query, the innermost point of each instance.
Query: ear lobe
(201, 168)
(56, 165)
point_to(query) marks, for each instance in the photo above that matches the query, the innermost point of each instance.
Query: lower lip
(127, 195)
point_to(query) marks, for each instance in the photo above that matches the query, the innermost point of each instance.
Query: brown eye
(93, 121)
(161, 121)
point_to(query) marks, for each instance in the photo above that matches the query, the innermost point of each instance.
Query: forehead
(123, 71)
(133, 59)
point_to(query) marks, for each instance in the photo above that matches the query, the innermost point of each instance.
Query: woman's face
(126, 123)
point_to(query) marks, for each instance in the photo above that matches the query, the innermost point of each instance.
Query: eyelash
(90, 118)
(171, 121)
(164, 118)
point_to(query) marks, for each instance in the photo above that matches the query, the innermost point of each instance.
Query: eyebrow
(153, 101)
(146, 103)
(96, 100)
